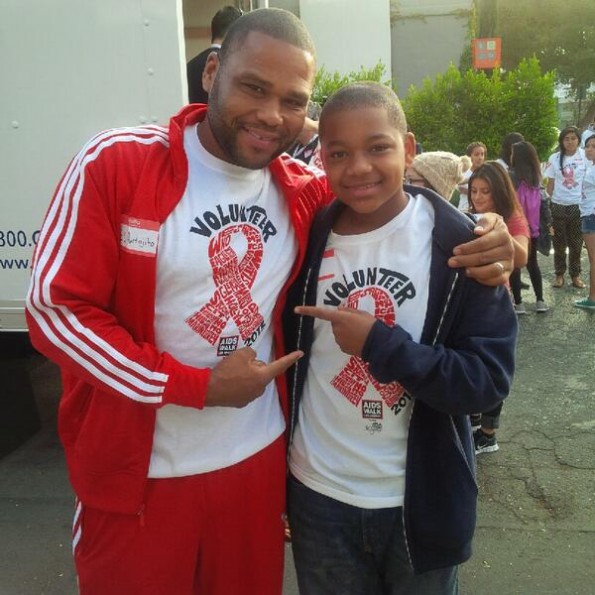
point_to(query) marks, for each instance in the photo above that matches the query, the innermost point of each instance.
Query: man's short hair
(223, 20)
(366, 94)
(274, 22)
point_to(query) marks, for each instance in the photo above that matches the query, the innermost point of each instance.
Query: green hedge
(458, 108)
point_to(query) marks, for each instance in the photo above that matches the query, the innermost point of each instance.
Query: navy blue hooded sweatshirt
(464, 363)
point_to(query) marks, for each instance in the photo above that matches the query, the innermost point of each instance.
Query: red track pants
(218, 533)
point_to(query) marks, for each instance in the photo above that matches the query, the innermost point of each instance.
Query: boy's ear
(409, 143)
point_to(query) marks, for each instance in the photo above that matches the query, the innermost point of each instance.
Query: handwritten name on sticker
(139, 236)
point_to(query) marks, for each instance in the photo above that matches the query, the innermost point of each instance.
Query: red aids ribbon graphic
(233, 280)
(352, 381)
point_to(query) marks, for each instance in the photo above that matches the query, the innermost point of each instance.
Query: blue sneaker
(586, 304)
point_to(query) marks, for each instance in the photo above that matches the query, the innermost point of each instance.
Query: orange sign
(487, 52)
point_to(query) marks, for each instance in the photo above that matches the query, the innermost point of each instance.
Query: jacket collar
(290, 174)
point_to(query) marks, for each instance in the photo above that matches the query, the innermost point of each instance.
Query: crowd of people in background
(518, 187)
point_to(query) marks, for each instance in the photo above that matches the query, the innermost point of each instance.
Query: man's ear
(210, 71)
(410, 148)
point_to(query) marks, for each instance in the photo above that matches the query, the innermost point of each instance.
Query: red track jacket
(90, 307)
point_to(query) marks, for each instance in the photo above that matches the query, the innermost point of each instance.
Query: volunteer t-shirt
(350, 442)
(225, 253)
(568, 179)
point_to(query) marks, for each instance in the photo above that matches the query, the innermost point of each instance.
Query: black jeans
(566, 220)
(534, 275)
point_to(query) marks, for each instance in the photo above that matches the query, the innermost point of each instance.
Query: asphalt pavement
(536, 525)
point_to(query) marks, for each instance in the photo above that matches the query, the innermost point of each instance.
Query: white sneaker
(541, 306)
(520, 309)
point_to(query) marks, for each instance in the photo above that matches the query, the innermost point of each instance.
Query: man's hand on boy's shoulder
(350, 327)
(488, 259)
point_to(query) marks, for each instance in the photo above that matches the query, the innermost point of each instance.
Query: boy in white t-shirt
(382, 493)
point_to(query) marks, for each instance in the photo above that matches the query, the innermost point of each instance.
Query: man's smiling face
(258, 100)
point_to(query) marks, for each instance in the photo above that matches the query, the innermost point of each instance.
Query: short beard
(226, 136)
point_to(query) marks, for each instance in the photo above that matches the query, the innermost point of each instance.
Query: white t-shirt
(351, 439)
(587, 205)
(224, 254)
(568, 180)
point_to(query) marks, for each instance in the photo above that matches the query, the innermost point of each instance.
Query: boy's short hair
(275, 22)
(366, 94)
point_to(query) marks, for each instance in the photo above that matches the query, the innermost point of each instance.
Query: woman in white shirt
(565, 171)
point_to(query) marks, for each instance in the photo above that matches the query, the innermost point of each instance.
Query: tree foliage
(457, 108)
(560, 34)
(326, 83)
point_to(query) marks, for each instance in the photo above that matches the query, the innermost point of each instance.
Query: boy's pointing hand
(350, 327)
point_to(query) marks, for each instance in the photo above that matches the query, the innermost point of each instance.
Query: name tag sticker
(139, 236)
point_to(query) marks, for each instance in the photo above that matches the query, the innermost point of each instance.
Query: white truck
(69, 69)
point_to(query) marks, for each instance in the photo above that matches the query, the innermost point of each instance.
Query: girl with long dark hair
(491, 190)
(526, 177)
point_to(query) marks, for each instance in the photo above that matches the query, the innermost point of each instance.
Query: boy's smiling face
(365, 158)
